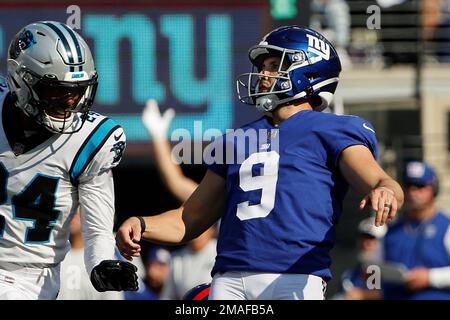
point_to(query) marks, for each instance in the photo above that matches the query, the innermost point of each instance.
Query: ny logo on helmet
(319, 47)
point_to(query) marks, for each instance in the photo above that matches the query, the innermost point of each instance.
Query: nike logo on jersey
(118, 137)
(365, 126)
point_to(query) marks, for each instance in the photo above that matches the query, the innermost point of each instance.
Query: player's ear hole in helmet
(51, 76)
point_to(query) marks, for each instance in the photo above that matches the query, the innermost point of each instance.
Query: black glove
(114, 275)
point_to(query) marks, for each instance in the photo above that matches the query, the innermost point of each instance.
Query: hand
(417, 279)
(354, 294)
(363, 294)
(114, 275)
(157, 124)
(128, 237)
(383, 202)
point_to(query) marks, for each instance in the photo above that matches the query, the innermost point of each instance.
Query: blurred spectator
(432, 16)
(420, 241)
(157, 126)
(156, 271)
(332, 18)
(446, 29)
(191, 266)
(399, 34)
(75, 283)
(437, 26)
(389, 3)
(353, 284)
(370, 241)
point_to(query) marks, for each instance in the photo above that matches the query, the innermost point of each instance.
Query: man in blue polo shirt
(420, 240)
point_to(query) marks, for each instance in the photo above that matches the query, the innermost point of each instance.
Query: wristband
(143, 226)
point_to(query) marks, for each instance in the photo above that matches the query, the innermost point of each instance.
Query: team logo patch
(118, 149)
(23, 41)
(319, 47)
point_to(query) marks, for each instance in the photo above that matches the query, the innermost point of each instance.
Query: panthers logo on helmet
(200, 292)
(23, 41)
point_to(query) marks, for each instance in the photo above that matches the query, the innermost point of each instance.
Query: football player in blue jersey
(279, 203)
(55, 156)
(420, 240)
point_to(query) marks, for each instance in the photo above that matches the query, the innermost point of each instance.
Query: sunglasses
(416, 185)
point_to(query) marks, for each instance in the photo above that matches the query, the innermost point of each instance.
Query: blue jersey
(354, 277)
(416, 244)
(283, 201)
(144, 293)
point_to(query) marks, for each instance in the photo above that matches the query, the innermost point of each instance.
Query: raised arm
(364, 174)
(172, 175)
(203, 208)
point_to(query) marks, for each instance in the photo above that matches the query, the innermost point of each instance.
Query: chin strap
(270, 102)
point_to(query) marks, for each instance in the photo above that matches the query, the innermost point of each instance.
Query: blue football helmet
(309, 70)
(200, 292)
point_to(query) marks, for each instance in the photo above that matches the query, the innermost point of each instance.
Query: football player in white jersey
(55, 155)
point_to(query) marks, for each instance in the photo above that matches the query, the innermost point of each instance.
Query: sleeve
(97, 219)
(215, 155)
(111, 147)
(440, 277)
(96, 197)
(347, 131)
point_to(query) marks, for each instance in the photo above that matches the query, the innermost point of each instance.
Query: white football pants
(28, 283)
(237, 285)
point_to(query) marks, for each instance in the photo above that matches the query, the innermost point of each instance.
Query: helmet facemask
(54, 104)
(248, 83)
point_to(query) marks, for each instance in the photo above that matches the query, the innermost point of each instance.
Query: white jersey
(41, 189)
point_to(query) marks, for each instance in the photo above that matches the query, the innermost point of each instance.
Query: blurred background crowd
(179, 59)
